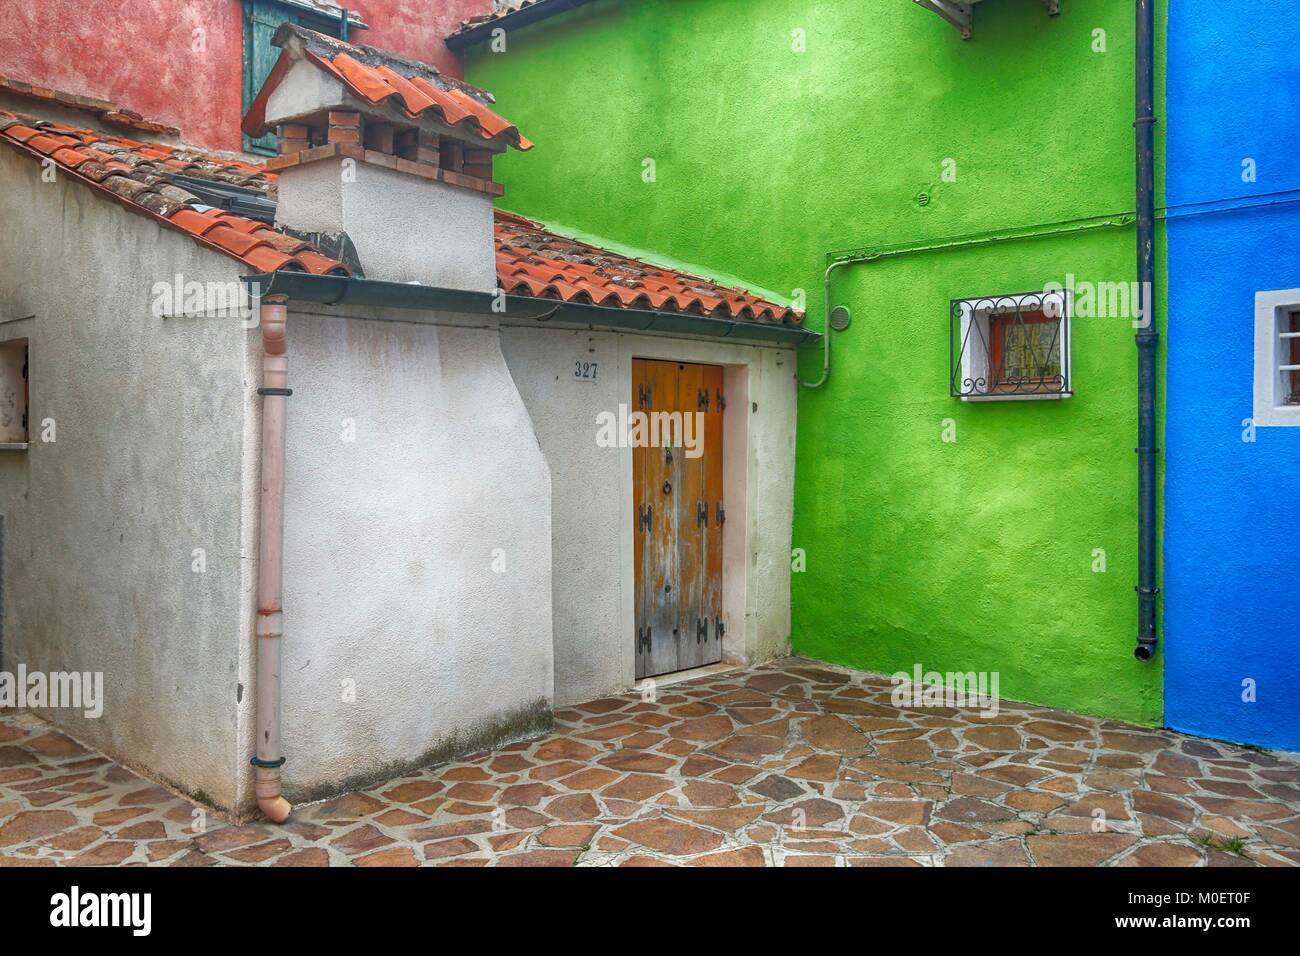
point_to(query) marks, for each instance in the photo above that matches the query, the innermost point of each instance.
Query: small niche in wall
(13, 394)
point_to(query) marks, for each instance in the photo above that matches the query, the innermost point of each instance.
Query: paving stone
(259, 853)
(704, 793)
(730, 819)
(971, 810)
(1163, 854)
(809, 813)
(777, 788)
(637, 760)
(527, 794)
(1080, 849)
(567, 835)
(1162, 805)
(1065, 733)
(456, 846)
(565, 749)
(745, 856)
(833, 733)
(360, 840)
(34, 824)
(573, 807)
(992, 853)
(413, 791)
(669, 836)
(823, 767)
(637, 786)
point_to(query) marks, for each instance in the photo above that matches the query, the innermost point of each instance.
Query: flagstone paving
(793, 763)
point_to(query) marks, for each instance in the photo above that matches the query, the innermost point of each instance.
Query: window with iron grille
(1277, 358)
(1013, 346)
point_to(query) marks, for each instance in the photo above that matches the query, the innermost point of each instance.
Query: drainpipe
(1146, 336)
(270, 615)
(826, 331)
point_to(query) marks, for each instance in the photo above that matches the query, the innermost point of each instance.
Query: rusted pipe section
(270, 551)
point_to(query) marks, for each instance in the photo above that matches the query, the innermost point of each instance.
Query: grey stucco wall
(593, 570)
(101, 524)
(393, 577)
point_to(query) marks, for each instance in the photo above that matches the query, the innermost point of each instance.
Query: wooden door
(679, 514)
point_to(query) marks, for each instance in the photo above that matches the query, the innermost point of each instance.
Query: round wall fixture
(840, 318)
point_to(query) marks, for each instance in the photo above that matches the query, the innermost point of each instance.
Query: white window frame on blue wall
(1274, 331)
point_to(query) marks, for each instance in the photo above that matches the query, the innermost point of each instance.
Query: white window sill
(1055, 396)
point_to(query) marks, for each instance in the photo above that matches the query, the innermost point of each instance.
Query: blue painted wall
(1232, 508)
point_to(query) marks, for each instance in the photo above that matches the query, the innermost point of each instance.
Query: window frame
(1275, 347)
(16, 442)
(319, 20)
(971, 343)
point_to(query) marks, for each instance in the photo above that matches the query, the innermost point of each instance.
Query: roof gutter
(518, 309)
(540, 10)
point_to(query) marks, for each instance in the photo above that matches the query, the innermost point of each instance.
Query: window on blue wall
(1277, 358)
(261, 19)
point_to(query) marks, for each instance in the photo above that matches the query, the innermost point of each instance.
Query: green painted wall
(973, 555)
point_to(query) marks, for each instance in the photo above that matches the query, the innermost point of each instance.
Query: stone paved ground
(790, 764)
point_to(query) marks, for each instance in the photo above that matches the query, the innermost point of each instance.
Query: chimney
(385, 155)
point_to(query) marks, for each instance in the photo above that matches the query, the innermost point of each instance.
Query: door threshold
(708, 670)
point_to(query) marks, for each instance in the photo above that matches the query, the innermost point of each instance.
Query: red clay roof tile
(377, 76)
(533, 261)
(133, 173)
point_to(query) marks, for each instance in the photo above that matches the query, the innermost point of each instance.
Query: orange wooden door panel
(677, 497)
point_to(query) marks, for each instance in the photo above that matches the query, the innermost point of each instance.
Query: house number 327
(584, 371)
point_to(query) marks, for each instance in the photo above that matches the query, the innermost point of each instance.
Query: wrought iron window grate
(1010, 346)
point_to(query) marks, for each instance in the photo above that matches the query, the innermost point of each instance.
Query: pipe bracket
(267, 764)
(275, 391)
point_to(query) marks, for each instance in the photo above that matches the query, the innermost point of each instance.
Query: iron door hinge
(703, 401)
(722, 515)
(701, 630)
(722, 401)
(645, 515)
(719, 629)
(702, 515)
(643, 639)
(642, 396)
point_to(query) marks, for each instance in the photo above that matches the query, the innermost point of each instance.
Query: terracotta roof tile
(134, 174)
(499, 14)
(378, 76)
(536, 262)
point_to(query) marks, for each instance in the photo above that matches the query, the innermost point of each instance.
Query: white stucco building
(460, 552)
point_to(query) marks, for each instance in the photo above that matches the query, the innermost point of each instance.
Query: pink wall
(181, 61)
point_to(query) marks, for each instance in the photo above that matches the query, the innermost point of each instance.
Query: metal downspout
(1146, 336)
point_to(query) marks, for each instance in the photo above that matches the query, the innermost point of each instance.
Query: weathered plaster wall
(101, 525)
(146, 56)
(1232, 606)
(405, 228)
(394, 586)
(973, 555)
(592, 516)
